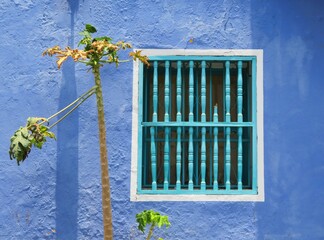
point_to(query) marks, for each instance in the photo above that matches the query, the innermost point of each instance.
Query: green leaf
(90, 28)
(108, 39)
(151, 217)
(33, 134)
(20, 145)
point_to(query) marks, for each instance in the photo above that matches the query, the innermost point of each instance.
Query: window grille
(197, 125)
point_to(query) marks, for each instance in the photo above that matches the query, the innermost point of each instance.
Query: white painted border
(258, 53)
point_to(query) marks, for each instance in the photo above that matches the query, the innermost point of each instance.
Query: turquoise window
(197, 125)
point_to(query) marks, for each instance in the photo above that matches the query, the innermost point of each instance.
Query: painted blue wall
(56, 193)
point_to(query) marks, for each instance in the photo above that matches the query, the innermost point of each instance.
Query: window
(198, 126)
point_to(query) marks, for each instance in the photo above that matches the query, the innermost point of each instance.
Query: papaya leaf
(89, 28)
(33, 134)
(20, 145)
(108, 39)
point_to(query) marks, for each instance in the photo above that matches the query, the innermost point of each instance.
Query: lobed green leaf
(33, 134)
(90, 28)
(20, 145)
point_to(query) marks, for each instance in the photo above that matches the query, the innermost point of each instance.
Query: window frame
(258, 94)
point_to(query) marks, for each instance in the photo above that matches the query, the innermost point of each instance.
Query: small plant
(150, 217)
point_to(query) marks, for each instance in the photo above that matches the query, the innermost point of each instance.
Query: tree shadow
(67, 194)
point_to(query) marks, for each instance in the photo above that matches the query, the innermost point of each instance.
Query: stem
(150, 234)
(77, 101)
(80, 101)
(90, 91)
(106, 203)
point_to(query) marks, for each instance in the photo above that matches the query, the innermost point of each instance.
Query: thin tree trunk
(106, 203)
(150, 234)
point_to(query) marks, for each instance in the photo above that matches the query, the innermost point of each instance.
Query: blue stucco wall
(56, 193)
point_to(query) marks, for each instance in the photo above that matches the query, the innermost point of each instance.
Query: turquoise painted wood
(239, 159)
(199, 192)
(203, 159)
(167, 91)
(167, 129)
(227, 92)
(191, 91)
(190, 159)
(196, 119)
(198, 124)
(179, 91)
(166, 158)
(194, 134)
(203, 91)
(240, 130)
(201, 58)
(178, 167)
(228, 158)
(211, 112)
(155, 91)
(239, 92)
(203, 131)
(153, 158)
(215, 155)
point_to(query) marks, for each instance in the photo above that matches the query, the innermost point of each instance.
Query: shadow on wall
(292, 38)
(67, 193)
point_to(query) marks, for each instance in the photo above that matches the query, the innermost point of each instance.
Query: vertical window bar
(239, 159)
(179, 91)
(203, 130)
(178, 183)
(228, 158)
(239, 119)
(167, 91)
(203, 159)
(210, 119)
(215, 158)
(227, 92)
(166, 158)
(191, 119)
(191, 91)
(196, 118)
(153, 158)
(178, 158)
(184, 102)
(167, 129)
(190, 159)
(239, 92)
(155, 91)
(203, 91)
(228, 129)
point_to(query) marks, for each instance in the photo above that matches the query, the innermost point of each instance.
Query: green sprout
(150, 217)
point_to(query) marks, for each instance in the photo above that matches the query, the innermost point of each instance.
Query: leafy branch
(97, 51)
(33, 134)
(36, 131)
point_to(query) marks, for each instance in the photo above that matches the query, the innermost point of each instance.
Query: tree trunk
(106, 203)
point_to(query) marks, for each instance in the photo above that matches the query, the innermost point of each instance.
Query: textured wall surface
(56, 193)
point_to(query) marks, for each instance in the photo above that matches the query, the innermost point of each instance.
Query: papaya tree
(96, 52)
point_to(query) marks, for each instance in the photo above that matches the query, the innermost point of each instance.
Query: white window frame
(260, 196)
